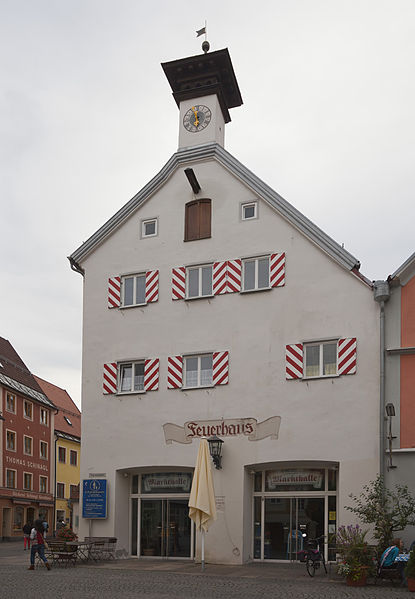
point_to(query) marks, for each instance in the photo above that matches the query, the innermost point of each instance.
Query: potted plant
(356, 555)
(66, 534)
(410, 571)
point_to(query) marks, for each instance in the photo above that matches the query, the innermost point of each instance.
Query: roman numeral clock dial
(197, 118)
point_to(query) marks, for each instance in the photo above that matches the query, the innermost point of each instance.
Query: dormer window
(197, 220)
(68, 421)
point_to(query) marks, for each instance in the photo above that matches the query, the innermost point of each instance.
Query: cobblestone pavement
(130, 578)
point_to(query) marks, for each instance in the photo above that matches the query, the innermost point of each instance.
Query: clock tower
(205, 88)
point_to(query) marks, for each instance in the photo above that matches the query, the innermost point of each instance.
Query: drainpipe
(381, 294)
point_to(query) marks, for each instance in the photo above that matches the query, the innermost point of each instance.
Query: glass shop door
(165, 528)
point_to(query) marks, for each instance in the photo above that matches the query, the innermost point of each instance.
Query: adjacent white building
(212, 306)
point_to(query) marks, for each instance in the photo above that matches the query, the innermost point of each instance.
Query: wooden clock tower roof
(202, 75)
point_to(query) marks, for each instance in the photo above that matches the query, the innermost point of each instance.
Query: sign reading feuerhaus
(248, 427)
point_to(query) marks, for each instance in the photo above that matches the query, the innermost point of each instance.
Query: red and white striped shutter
(114, 292)
(178, 283)
(221, 368)
(346, 356)
(294, 361)
(174, 372)
(277, 270)
(219, 278)
(151, 374)
(234, 275)
(152, 286)
(110, 378)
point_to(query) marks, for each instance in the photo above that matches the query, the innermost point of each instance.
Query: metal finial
(205, 46)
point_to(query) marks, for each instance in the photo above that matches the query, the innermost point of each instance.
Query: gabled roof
(68, 419)
(15, 374)
(404, 273)
(203, 152)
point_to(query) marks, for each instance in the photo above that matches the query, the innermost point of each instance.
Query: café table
(83, 549)
(402, 557)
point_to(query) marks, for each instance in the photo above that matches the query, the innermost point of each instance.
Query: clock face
(197, 118)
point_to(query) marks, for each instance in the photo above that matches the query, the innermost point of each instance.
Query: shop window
(27, 445)
(28, 409)
(73, 457)
(43, 484)
(11, 441)
(249, 211)
(258, 481)
(198, 281)
(198, 371)
(149, 227)
(197, 220)
(134, 485)
(27, 481)
(321, 359)
(44, 417)
(134, 290)
(11, 476)
(255, 274)
(18, 518)
(131, 377)
(11, 403)
(62, 455)
(60, 490)
(43, 450)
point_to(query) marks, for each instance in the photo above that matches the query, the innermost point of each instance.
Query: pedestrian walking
(26, 533)
(38, 545)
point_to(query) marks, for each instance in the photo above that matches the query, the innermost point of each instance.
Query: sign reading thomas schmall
(248, 427)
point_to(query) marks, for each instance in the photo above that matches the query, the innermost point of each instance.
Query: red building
(26, 446)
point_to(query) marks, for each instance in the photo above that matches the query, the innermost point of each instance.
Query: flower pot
(411, 584)
(360, 582)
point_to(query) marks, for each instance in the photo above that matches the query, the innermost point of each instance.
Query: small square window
(28, 410)
(131, 377)
(134, 290)
(11, 403)
(249, 211)
(199, 281)
(321, 359)
(149, 228)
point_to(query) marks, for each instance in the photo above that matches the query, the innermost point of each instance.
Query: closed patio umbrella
(202, 506)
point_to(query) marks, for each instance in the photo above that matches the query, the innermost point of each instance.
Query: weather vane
(205, 44)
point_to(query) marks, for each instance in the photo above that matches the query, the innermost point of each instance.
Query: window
(73, 458)
(11, 441)
(149, 228)
(62, 455)
(134, 290)
(43, 484)
(199, 281)
(321, 359)
(28, 410)
(197, 220)
(68, 421)
(27, 481)
(60, 490)
(198, 370)
(11, 403)
(74, 491)
(27, 445)
(131, 377)
(18, 518)
(255, 274)
(43, 450)
(11, 479)
(44, 417)
(249, 211)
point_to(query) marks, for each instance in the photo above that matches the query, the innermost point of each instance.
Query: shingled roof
(68, 419)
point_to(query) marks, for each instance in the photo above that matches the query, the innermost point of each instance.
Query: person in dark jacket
(38, 545)
(26, 532)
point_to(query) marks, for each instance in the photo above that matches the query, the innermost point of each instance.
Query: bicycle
(313, 556)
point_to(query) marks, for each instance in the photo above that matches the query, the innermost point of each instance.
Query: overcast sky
(87, 118)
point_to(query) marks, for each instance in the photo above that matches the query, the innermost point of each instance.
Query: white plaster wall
(332, 419)
(215, 131)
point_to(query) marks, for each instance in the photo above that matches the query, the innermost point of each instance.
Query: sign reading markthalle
(94, 498)
(247, 427)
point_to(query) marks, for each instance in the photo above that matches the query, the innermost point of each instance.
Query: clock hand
(196, 119)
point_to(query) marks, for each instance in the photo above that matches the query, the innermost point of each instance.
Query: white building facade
(212, 306)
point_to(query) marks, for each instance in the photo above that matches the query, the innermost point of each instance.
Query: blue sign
(94, 498)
